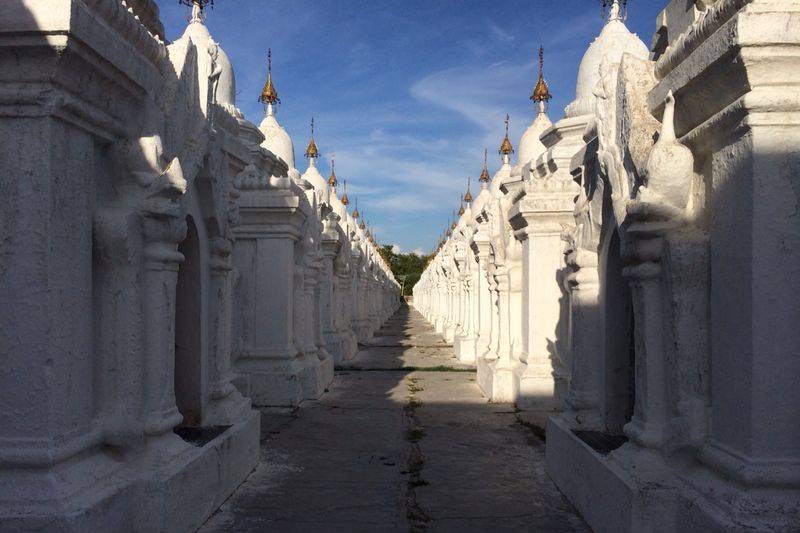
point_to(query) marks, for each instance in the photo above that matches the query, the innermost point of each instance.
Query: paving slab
(394, 448)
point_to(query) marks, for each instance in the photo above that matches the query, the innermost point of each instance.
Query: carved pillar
(483, 305)
(329, 295)
(162, 260)
(585, 329)
(224, 397)
(493, 349)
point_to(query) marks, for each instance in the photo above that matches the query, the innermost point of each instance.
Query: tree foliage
(407, 268)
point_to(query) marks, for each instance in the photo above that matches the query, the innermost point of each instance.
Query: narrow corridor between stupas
(403, 441)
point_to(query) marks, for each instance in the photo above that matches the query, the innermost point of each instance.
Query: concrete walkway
(395, 447)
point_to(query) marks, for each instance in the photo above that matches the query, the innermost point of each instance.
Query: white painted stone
(658, 312)
(149, 264)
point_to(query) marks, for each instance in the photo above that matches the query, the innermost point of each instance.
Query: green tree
(407, 268)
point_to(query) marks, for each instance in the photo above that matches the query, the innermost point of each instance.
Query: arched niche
(188, 341)
(619, 357)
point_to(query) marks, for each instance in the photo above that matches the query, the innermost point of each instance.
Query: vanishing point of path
(403, 441)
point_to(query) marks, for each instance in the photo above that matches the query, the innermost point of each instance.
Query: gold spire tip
(311, 150)
(541, 92)
(485, 172)
(269, 95)
(332, 181)
(506, 147)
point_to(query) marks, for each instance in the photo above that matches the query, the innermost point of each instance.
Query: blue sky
(407, 93)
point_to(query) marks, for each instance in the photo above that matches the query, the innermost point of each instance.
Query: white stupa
(197, 32)
(614, 40)
(504, 172)
(530, 145)
(276, 139)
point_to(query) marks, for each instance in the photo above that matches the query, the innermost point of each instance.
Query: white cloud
(396, 249)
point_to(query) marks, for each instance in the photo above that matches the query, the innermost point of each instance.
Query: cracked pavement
(388, 449)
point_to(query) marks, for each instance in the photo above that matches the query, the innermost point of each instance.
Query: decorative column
(329, 294)
(585, 385)
(538, 219)
(226, 401)
(264, 256)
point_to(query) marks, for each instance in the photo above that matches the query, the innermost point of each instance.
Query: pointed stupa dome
(614, 40)
(276, 139)
(312, 174)
(530, 145)
(198, 32)
(333, 197)
(504, 171)
(484, 194)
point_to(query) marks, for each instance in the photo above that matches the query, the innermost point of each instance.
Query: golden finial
(362, 225)
(506, 147)
(485, 172)
(311, 150)
(345, 200)
(541, 93)
(332, 181)
(468, 195)
(461, 207)
(356, 214)
(269, 95)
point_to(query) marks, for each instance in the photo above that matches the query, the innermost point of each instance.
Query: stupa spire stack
(311, 150)
(541, 92)
(269, 95)
(197, 8)
(484, 178)
(468, 194)
(617, 9)
(506, 148)
(332, 181)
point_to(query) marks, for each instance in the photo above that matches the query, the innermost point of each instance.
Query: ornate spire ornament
(506, 147)
(362, 226)
(269, 95)
(356, 214)
(345, 200)
(617, 9)
(541, 92)
(311, 150)
(332, 181)
(197, 8)
(461, 206)
(484, 177)
(468, 195)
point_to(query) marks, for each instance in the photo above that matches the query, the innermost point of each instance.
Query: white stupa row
(165, 269)
(627, 283)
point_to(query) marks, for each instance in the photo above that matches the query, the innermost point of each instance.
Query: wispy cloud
(499, 33)
(407, 95)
